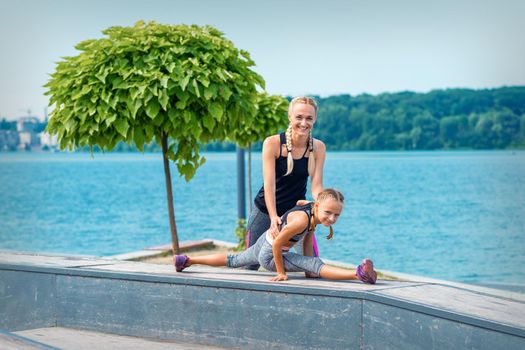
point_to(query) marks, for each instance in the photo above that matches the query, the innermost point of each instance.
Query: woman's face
(328, 211)
(302, 118)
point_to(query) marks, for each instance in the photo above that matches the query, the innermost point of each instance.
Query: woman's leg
(258, 223)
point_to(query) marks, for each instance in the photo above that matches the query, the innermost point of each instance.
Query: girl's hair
(330, 193)
(311, 159)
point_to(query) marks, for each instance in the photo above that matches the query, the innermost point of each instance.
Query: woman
(288, 160)
(273, 253)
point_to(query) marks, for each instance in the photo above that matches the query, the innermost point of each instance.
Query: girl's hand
(278, 278)
(275, 226)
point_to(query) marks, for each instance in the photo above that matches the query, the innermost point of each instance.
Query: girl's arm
(317, 178)
(296, 223)
(270, 152)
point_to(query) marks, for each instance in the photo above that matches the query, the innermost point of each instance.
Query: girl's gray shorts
(261, 253)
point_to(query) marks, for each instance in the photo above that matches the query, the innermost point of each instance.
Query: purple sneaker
(365, 272)
(180, 262)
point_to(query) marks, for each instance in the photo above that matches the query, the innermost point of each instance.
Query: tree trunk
(250, 177)
(171, 211)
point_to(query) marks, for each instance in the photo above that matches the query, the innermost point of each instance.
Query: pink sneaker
(365, 272)
(180, 262)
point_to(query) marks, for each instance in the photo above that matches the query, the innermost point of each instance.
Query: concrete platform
(242, 309)
(10, 341)
(74, 339)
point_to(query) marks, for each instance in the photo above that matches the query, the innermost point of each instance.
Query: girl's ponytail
(289, 157)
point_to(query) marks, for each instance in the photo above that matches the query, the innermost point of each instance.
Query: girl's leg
(336, 273)
(248, 257)
(296, 263)
(365, 272)
(231, 260)
(210, 260)
(293, 262)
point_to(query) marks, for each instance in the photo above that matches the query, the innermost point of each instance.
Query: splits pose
(272, 251)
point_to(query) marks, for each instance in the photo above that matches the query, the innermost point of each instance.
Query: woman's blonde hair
(330, 193)
(311, 159)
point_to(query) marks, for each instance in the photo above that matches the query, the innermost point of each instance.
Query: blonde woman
(289, 159)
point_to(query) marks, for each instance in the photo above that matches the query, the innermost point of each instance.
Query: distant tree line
(440, 119)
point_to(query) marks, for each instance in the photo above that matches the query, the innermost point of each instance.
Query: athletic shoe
(365, 272)
(180, 262)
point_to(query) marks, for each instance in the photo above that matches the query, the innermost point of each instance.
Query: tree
(178, 85)
(272, 111)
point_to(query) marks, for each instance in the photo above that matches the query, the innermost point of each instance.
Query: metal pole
(241, 187)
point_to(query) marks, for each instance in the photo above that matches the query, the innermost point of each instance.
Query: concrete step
(11, 341)
(75, 339)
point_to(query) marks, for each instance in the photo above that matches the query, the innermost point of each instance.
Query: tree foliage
(272, 116)
(440, 119)
(139, 82)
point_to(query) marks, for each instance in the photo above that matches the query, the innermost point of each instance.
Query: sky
(304, 47)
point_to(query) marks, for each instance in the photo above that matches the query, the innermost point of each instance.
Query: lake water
(450, 215)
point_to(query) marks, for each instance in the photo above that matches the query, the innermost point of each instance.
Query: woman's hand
(279, 277)
(275, 226)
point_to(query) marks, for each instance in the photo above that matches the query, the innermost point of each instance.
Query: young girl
(273, 253)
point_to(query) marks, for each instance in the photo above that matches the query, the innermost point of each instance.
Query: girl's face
(328, 211)
(302, 118)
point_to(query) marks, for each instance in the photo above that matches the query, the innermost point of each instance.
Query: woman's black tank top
(288, 189)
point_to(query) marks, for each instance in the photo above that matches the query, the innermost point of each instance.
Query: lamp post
(241, 187)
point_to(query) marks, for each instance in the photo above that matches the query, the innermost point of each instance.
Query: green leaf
(184, 82)
(225, 92)
(164, 99)
(122, 126)
(138, 137)
(109, 120)
(172, 114)
(101, 75)
(196, 131)
(152, 109)
(164, 81)
(180, 104)
(216, 110)
(210, 92)
(196, 87)
(208, 122)
(149, 132)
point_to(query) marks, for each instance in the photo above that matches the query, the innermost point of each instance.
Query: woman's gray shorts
(261, 253)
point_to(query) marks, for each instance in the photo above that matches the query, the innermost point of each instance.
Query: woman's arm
(296, 223)
(270, 152)
(317, 178)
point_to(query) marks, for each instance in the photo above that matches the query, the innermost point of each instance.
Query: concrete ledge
(12, 341)
(161, 250)
(67, 338)
(240, 308)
